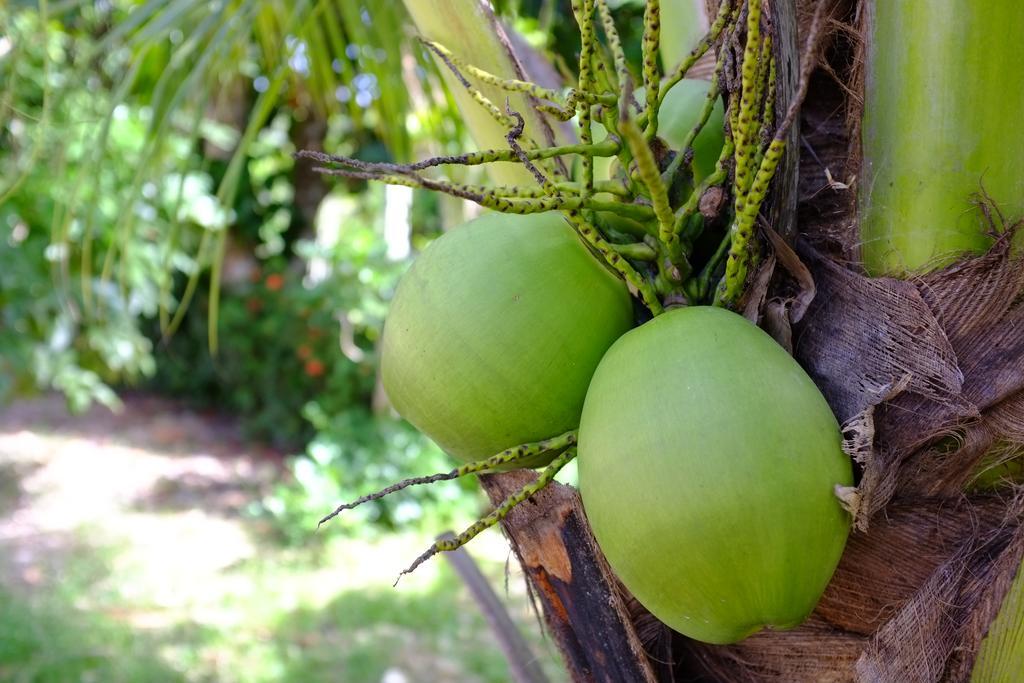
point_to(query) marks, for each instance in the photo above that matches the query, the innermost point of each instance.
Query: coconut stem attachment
(509, 456)
(499, 513)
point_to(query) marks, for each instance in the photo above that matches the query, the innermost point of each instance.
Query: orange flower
(274, 282)
(303, 352)
(314, 368)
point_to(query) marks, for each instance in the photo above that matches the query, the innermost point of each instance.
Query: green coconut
(680, 111)
(707, 466)
(678, 114)
(495, 331)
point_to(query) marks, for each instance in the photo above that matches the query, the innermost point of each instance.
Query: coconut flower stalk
(942, 123)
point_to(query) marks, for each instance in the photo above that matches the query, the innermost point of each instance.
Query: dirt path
(128, 553)
(60, 473)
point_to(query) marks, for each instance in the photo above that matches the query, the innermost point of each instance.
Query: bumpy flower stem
(647, 167)
(649, 61)
(768, 116)
(473, 91)
(496, 515)
(505, 199)
(608, 147)
(583, 10)
(634, 280)
(745, 129)
(515, 85)
(614, 43)
(509, 456)
(741, 251)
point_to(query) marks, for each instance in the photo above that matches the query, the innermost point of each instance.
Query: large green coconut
(707, 464)
(677, 116)
(495, 332)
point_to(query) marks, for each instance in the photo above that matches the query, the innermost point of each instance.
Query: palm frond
(331, 57)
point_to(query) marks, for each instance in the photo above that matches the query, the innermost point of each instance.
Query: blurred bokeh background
(188, 330)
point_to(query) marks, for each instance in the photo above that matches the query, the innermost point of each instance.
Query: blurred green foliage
(49, 118)
(138, 157)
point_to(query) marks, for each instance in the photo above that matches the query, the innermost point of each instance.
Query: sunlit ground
(126, 554)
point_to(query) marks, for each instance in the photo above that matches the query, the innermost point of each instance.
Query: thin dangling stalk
(509, 456)
(532, 200)
(496, 515)
(478, 97)
(515, 85)
(605, 148)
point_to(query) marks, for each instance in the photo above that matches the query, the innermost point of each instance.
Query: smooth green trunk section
(467, 28)
(1001, 657)
(943, 105)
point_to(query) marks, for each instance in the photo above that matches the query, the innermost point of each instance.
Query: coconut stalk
(943, 101)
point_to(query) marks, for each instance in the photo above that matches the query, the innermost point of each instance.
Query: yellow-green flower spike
(499, 513)
(649, 62)
(509, 456)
